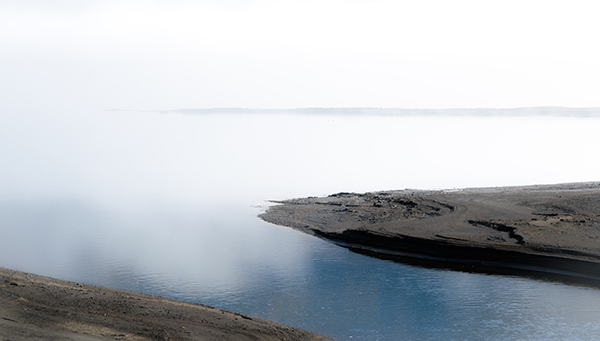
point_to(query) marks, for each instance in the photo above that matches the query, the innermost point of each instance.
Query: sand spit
(552, 230)
(34, 307)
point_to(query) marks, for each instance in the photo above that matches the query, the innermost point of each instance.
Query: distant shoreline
(548, 111)
(550, 230)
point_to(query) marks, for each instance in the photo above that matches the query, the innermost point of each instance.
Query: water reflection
(488, 268)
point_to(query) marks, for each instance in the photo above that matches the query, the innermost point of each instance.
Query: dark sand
(34, 307)
(552, 230)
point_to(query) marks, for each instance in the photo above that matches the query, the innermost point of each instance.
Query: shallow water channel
(167, 205)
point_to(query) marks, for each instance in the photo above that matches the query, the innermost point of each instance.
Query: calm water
(167, 204)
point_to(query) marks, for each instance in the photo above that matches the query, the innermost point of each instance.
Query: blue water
(168, 205)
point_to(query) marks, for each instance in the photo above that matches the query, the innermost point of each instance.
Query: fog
(127, 157)
(64, 62)
(287, 54)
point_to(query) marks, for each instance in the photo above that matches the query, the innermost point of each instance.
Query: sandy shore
(552, 230)
(34, 307)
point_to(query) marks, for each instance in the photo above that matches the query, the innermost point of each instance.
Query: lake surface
(167, 205)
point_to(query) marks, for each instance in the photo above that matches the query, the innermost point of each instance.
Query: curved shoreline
(547, 230)
(34, 307)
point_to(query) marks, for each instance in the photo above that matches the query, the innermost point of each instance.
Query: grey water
(167, 204)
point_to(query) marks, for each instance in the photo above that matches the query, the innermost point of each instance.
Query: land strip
(550, 229)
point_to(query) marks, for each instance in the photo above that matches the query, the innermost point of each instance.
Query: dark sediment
(34, 307)
(552, 230)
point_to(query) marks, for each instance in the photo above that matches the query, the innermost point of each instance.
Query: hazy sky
(286, 54)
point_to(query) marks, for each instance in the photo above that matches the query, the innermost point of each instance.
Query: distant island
(548, 111)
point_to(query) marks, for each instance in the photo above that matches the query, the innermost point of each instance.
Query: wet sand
(553, 230)
(34, 307)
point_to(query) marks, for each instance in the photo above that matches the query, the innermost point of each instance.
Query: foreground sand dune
(549, 229)
(34, 307)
